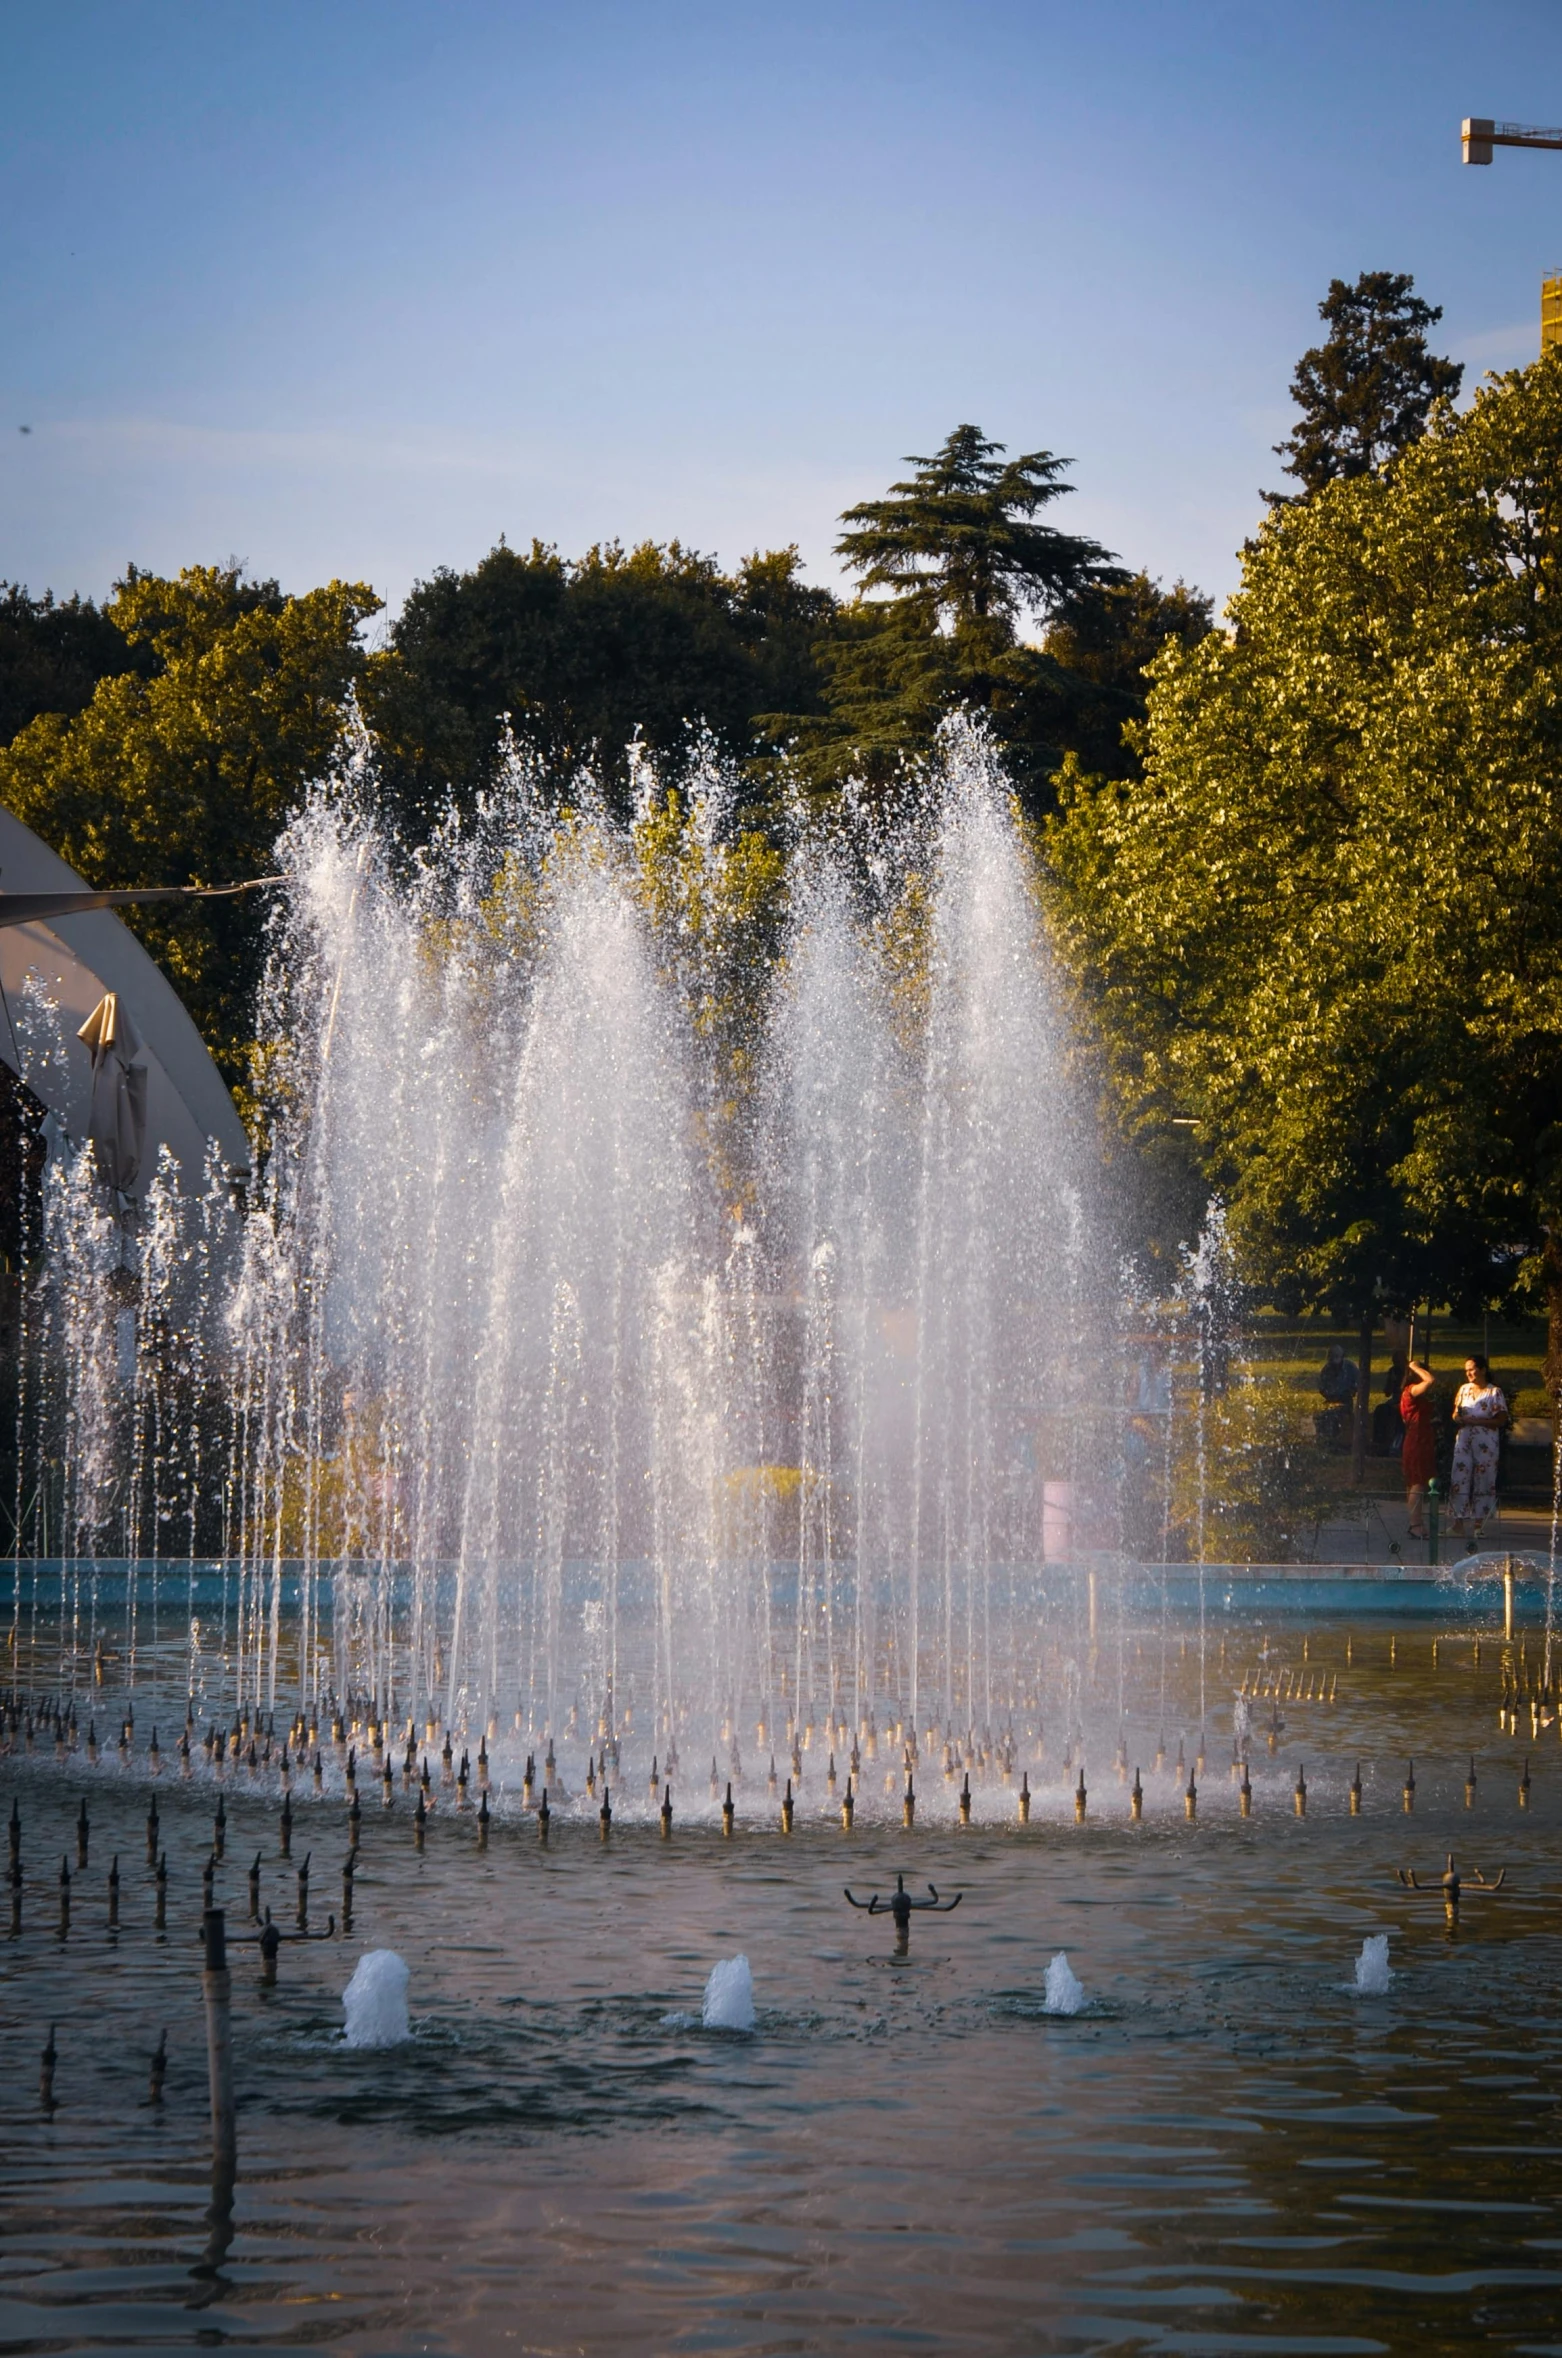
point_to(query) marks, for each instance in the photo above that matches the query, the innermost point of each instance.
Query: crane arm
(1481, 134)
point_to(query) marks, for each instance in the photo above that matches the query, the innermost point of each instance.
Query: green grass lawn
(1290, 1351)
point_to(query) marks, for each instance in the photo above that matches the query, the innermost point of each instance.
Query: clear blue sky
(343, 288)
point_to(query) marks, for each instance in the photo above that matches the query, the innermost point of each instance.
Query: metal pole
(217, 1989)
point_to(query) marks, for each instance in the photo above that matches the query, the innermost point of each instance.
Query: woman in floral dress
(1480, 1412)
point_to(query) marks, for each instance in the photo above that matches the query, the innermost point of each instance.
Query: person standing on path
(1337, 1381)
(1480, 1412)
(1419, 1454)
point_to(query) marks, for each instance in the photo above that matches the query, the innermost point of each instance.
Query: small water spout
(1064, 1992)
(375, 2001)
(729, 1996)
(1372, 1968)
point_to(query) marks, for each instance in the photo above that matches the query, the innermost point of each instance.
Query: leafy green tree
(53, 652)
(1366, 392)
(960, 559)
(183, 773)
(1324, 930)
(651, 643)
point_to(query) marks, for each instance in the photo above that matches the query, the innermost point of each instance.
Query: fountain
(728, 2003)
(1372, 1966)
(608, 1353)
(672, 1326)
(648, 1379)
(375, 2001)
(1063, 1992)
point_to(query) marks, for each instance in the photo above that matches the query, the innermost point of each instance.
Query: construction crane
(1480, 135)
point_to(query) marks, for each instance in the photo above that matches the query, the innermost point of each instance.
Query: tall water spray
(614, 1342)
(921, 1205)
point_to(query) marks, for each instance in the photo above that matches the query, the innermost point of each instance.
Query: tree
(963, 560)
(1326, 925)
(960, 541)
(183, 773)
(1104, 637)
(1367, 391)
(652, 643)
(53, 652)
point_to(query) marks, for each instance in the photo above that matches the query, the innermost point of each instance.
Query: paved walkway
(1377, 1531)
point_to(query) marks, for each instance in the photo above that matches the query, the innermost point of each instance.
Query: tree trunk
(1358, 1462)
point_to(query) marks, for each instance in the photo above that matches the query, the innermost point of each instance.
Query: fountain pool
(1230, 2148)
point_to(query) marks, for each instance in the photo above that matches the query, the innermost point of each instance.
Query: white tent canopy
(76, 960)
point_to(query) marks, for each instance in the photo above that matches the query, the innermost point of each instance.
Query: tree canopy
(585, 657)
(1104, 637)
(959, 539)
(53, 652)
(164, 737)
(182, 771)
(657, 645)
(957, 548)
(1367, 391)
(1325, 926)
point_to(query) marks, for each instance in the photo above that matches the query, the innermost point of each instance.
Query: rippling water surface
(1229, 2149)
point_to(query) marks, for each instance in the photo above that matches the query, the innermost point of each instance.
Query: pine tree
(1366, 392)
(958, 549)
(959, 540)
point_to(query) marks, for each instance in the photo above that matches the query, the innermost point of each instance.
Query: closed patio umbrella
(117, 1126)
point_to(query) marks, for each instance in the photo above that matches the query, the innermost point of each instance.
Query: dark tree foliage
(959, 551)
(585, 656)
(959, 538)
(53, 652)
(1366, 392)
(1102, 638)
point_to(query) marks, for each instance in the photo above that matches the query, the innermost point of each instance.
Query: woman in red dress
(1419, 1454)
